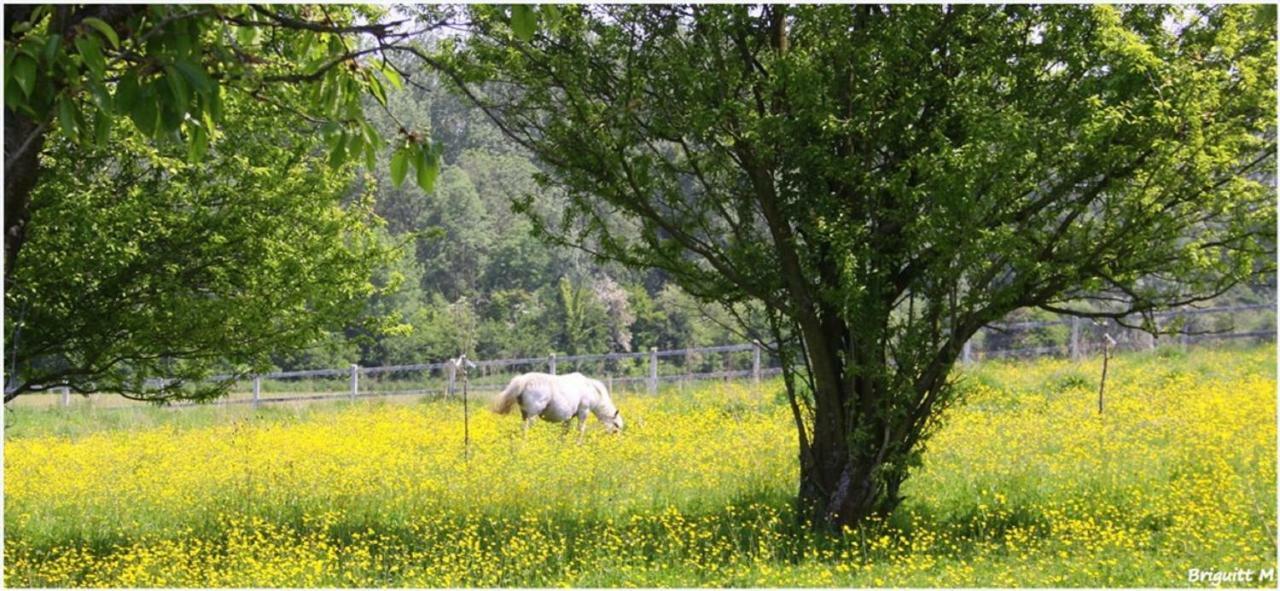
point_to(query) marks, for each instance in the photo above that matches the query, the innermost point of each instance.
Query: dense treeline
(472, 275)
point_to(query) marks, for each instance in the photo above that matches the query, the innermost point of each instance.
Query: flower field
(1025, 485)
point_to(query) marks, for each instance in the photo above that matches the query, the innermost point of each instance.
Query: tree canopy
(172, 98)
(886, 180)
(169, 69)
(151, 266)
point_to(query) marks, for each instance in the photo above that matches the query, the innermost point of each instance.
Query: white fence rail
(653, 371)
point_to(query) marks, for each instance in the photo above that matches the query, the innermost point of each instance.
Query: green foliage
(580, 320)
(175, 65)
(145, 265)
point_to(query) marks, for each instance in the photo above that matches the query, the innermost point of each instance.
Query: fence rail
(646, 370)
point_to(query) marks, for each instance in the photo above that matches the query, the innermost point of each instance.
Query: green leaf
(105, 29)
(399, 166)
(24, 73)
(50, 50)
(143, 112)
(370, 156)
(551, 14)
(177, 88)
(170, 116)
(101, 128)
(375, 88)
(371, 135)
(393, 77)
(428, 169)
(337, 152)
(101, 98)
(197, 143)
(126, 91)
(91, 52)
(13, 96)
(524, 21)
(214, 105)
(420, 157)
(196, 76)
(67, 118)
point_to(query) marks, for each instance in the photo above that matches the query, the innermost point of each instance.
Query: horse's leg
(528, 422)
(582, 426)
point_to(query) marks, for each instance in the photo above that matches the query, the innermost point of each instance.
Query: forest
(471, 275)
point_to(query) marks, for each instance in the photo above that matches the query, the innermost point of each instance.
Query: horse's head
(613, 423)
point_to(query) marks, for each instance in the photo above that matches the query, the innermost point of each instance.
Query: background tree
(887, 180)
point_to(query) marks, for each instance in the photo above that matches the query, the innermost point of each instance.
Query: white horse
(558, 399)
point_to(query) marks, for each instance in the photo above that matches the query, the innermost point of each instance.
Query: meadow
(1025, 485)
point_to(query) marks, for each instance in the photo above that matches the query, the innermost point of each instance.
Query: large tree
(100, 85)
(145, 265)
(886, 180)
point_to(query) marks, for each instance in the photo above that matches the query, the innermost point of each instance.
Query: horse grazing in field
(558, 399)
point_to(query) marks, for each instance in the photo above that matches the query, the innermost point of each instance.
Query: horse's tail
(507, 399)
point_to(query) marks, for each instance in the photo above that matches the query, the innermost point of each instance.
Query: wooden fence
(648, 371)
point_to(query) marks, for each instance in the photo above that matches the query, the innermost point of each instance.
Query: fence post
(451, 373)
(610, 379)
(551, 362)
(466, 411)
(755, 363)
(66, 396)
(653, 370)
(967, 352)
(257, 390)
(355, 380)
(1075, 338)
(688, 369)
(1185, 337)
(726, 364)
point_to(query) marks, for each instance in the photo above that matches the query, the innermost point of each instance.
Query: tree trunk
(839, 488)
(23, 140)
